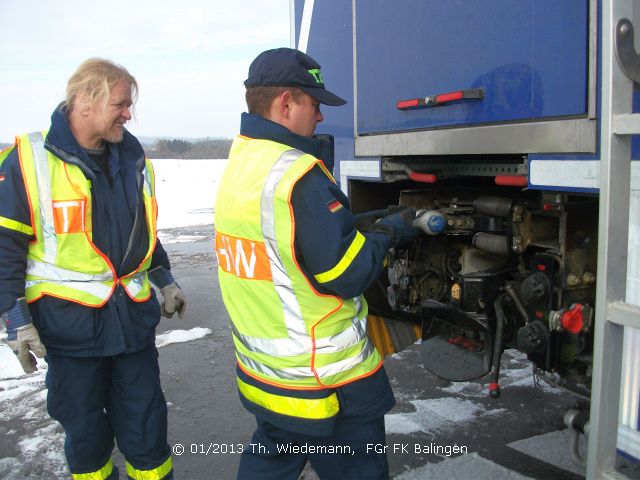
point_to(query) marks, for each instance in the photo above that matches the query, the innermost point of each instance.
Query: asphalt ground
(431, 418)
(438, 429)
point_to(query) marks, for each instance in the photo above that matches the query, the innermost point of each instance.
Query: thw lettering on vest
(68, 216)
(242, 257)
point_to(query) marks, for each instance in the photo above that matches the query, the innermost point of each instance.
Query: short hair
(96, 77)
(260, 97)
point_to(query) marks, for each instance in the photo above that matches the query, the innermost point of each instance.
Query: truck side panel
(527, 55)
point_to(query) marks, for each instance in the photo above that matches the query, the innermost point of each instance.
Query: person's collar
(255, 126)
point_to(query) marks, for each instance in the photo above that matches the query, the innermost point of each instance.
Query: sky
(190, 58)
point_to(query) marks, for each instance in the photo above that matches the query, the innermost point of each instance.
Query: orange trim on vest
(26, 187)
(312, 288)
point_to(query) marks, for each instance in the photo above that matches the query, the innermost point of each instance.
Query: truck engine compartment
(511, 268)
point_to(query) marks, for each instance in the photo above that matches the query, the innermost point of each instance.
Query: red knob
(572, 320)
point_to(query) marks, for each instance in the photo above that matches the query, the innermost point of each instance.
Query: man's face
(106, 122)
(304, 115)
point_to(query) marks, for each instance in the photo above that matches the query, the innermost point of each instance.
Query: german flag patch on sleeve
(334, 206)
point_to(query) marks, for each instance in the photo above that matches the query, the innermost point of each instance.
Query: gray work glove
(23, 337)
(174, 301)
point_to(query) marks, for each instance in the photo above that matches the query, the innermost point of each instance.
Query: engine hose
(518, 303)
(494, 386)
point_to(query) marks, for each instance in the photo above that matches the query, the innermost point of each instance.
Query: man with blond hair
(78, 244)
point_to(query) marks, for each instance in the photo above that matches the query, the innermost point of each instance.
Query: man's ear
(285, 100)
(82, 105)
(83, 109)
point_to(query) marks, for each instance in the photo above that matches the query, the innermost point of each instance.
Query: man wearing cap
(292, 270)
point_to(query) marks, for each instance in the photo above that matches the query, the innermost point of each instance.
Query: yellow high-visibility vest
(285, 332)
(62, 260)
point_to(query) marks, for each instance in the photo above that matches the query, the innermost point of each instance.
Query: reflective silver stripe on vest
(299, 342)
(57, 274)
(136, 284)
(93, 288)
(281, 347)
(46, 270)
(306, 372)
(43, 179)
(147, 181)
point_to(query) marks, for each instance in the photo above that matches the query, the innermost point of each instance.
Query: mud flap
(454, 362)
(455, 359)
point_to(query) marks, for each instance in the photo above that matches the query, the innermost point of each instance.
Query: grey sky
(190, 58)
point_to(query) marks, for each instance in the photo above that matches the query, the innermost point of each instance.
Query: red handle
(440, 99)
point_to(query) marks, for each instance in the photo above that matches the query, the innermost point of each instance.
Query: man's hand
(401, 223)
(173, 301)
(25, 345)
(23, 337)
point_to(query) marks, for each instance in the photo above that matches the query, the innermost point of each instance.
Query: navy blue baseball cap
(290, 67)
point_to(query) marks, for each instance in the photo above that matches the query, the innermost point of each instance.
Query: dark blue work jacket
(322, 236)
(65, 327)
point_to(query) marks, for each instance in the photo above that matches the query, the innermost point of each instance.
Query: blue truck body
(534, 128)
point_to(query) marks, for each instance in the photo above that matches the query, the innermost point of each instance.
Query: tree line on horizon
(182, 149)
(185, 149)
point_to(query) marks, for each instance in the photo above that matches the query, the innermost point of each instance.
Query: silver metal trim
(593, 59)
(613, 235)
(626, 124)
(355, 69)
(554, 136)
(626, 314)
(292, 23)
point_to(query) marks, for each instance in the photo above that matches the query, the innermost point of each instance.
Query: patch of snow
(186, 191)
(553, 448)
(179, 336)
(462, 467)
(39, 443)
(435, 414)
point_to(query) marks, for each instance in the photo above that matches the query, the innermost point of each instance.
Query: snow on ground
(465, 466)
(23, 402)
(434, 414)
(186, 191)
(180, 336)
(552, 448)
(515, 370)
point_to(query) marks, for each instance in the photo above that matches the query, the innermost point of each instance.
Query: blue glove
(401, 224)
(367, 221)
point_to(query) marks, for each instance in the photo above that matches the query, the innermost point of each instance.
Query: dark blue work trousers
(98, 398)
(355, 451)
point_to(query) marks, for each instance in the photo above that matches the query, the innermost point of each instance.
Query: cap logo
(315, 72)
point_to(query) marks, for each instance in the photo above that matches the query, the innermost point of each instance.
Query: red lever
(420, 177)
(572, 320)
(511, 180)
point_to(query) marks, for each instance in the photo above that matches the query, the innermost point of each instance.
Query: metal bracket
(628, 59)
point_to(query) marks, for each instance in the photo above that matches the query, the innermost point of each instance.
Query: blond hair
(95, 78)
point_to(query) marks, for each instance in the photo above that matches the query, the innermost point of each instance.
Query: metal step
(624, 314)
(626, 124)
